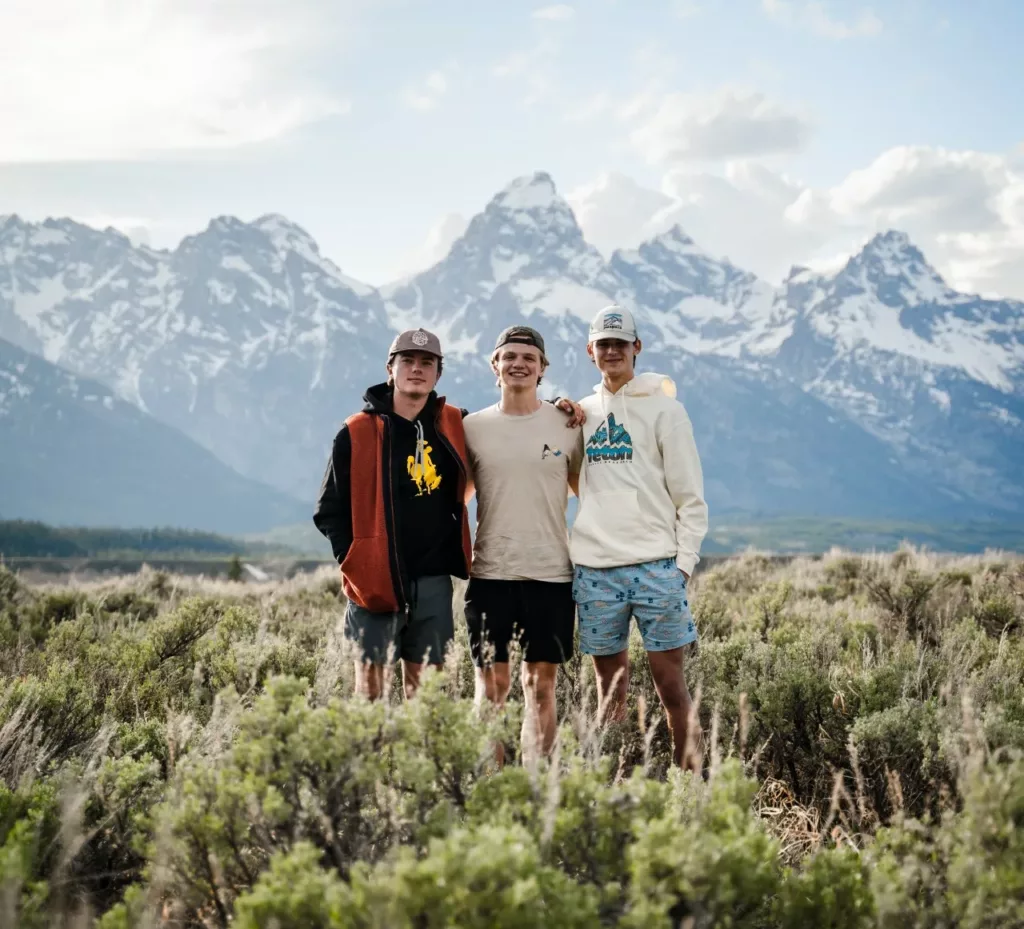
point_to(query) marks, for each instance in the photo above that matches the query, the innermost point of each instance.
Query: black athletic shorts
(540, 614)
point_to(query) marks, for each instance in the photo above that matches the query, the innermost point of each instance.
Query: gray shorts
(421, 635)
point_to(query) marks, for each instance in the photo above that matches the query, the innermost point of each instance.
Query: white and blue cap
(613, 322)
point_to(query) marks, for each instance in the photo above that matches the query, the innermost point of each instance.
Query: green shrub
(488, 877)
(986, 867)
(719, 869)
(29, 829)
(830, 891)
(172, 755)
(900, 758)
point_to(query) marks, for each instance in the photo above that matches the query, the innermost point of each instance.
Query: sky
(775, 132)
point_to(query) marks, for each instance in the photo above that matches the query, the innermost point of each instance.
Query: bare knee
(369, 680)
(612, 673)
(669, 681)
(539, 681)
(412, 674)
(493, 683)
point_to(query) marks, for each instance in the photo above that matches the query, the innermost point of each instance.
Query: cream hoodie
(641, 486)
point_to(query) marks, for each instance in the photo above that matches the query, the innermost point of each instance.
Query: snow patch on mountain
(535, 192)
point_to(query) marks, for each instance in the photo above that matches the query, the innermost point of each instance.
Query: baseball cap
(523, 335)
(613, 322)
(416, 340)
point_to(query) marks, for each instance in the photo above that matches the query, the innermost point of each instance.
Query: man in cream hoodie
(641, 521)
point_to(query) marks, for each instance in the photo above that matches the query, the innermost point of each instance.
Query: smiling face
(519, 367)
(615, 358)
(414, 373)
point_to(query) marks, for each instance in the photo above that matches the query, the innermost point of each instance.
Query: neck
(614, 384)
(408, 407)
(519, 402)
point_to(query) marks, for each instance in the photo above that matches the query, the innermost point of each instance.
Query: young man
(640, 525)
(522, 460)
(392, 505)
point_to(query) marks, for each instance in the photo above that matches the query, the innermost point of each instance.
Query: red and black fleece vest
(371, 571)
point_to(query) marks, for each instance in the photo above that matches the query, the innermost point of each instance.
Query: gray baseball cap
(416, 340)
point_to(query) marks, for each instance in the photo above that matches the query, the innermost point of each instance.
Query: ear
(590, 350)
(637, 347)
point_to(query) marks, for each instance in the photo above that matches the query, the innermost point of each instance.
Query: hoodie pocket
(610, 519)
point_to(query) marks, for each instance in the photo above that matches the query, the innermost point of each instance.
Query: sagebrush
(179, 752)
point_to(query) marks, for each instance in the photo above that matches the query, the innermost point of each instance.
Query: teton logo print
(610, 442)
(612, 320)
(548, 450)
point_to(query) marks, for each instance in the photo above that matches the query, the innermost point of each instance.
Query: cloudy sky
(774, 131)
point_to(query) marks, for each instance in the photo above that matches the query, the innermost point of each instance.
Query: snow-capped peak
(677, 242)
(531, 192)
(894, 268)
(527, 219)
(799, 274)
(280, 228)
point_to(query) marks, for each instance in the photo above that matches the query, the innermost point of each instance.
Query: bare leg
(369, 680)
(492, 684)
(670, 682)
(612, 683)
(540, 721)
(411, 672)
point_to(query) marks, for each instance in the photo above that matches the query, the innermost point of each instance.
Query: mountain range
(874, 391)
(75, 454)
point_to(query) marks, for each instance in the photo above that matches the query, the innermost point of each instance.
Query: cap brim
(619, 334)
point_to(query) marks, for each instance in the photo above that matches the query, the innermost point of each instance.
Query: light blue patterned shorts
(653, 592)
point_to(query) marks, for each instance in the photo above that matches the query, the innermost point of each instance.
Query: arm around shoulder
(333, 512)
(685, 480)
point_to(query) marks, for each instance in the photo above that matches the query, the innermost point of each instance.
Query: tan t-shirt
(521, 466)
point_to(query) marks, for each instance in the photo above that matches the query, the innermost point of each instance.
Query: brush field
(188, 753)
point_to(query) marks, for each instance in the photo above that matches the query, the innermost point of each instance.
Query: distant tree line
(25, 539)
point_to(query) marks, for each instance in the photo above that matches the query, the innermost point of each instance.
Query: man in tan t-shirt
(523, 461)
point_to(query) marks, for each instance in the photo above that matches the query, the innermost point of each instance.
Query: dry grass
(812, 675)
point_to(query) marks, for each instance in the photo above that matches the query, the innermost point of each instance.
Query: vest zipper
(398, 588)
(460, 494)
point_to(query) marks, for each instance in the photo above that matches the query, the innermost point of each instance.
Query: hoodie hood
(380, 399)
(648, 384)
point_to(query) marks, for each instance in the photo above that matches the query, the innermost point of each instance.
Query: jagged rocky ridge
(874, 391)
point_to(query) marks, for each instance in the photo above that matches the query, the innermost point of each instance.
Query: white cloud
(616, 212)
(438, 242)
(730, 123)
(91, 79)
(560, 12)
(815, 17)
(593, 107)
(139, 229)
(533, 67)
(427, 94)
(963, 209)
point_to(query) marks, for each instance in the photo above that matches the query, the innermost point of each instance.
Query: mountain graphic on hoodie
(610, 442)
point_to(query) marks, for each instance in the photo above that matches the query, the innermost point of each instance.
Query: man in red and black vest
(392, 504)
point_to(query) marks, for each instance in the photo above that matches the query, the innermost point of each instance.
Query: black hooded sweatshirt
(425, 477)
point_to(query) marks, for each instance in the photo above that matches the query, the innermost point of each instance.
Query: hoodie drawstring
(420, 443)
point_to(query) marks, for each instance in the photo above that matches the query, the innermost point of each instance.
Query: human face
(414, 373)
(614, 358)
(519, 367)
